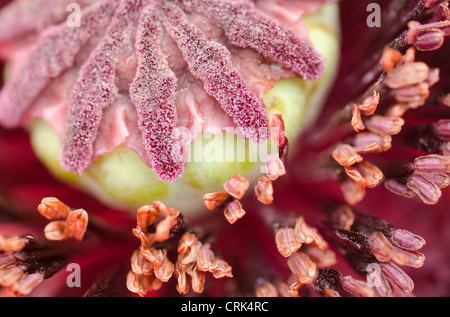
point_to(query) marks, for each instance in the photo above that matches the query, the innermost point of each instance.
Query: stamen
(234, 211)
(346, 155)
(264, 190)
(430, 40)
(186, 242)
(275, 167)
(343, 217)
(195, 259)
(305, 233)
(426, 190)
(355, 175)
(54, 231)
(322, 258)
(371, 173)
(407, 240)
(163, 228)
(26, 283)
(379, 284)
(142, 283)
(328, 292)
(356, 287)
(356, 121)
(139, 264)
(287, 241)
(440, 179)
(353, 192)
(76, 224)
(390, 58)
(433, 163)
(302, 267)
(433, 77)
(73, 224)
(236, 186)
(276, 123)
(446, 100)
(398, 277)
(442, 130)
(385, 125)
(27, 264)
(368, 142)
(398, 188)
(53, 209)
(407, 74)
(414, 95)
(266, 290)
(409, 258)
(369, 104)
(12, 244)
(398, 110)
(214, 200)
(146, 216)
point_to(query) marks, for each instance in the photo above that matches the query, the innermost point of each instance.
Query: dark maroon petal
(54, 53)
(247, 27)
(211, 62)
(152, 92)
(95, 90)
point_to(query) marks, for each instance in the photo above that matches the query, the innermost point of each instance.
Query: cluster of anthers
(24, 264)
(409, 83)
(406, 84)
(374, 248)
(74, 224)
(151, 266)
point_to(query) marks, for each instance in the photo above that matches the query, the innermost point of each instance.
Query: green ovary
(121, 180)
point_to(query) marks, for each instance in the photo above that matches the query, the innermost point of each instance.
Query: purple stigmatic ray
(54, 53)
(153, 94)
(211, 62)
(95, 90)
(247, 27)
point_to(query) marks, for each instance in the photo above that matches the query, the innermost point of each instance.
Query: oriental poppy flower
(224, 147)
